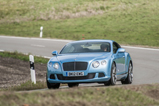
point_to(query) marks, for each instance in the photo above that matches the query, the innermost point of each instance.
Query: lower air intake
(89, 76)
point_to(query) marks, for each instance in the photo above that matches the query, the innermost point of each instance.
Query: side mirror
(121, 50)
(54, 53)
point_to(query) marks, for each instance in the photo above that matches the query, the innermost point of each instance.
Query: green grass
(133, 22)
(87, 96)
(23, 57)
(20, 10)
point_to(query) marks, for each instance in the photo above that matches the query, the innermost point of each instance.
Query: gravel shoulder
(13, 72)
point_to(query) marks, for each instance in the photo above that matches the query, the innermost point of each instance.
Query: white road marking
(141, 48)
(43, 56)
(60, 40)
(47, 57)
(62, 87)
(57, 40)
(37, 45)
(1, 50)
(35, 55)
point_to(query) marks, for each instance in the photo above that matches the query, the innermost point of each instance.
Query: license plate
(74, 73)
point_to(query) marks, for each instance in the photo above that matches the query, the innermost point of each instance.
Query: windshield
(86, 47)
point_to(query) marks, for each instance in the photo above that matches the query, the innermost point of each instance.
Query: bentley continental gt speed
(89, 61)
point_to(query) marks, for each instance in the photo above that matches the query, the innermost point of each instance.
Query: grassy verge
(110, 96)
(27, 86)
(23, 57)
(133, 22)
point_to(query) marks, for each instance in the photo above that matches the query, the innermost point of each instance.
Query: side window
(115, 47)
(118, 46)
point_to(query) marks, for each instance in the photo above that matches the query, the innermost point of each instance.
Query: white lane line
(140, 48)
(62, 87)
(1, 50)
(57, 40)
(35, 55)
(37, 45)
(47, 57)
(60, 40)
(43, 56)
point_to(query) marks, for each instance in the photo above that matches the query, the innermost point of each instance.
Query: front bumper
(91, 75)
(83, 79)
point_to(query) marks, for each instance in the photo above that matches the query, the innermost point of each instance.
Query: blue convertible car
(87, 61)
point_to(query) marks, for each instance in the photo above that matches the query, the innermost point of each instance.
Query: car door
(119, 59)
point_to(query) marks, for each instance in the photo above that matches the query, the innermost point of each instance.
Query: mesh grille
(74, 66)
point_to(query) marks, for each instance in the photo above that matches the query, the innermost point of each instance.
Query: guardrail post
(32, 71)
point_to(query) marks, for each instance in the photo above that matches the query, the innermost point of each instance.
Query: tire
(129, 78)
(113, 78)
(73, 85)
(52, 85)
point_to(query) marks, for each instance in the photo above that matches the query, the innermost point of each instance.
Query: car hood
(80, 57)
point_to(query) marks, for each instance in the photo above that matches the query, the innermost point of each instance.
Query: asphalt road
(145, 60)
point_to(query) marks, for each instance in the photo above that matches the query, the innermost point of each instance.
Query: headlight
(103, 62)
(56, 65)
(50, 64)
(95, 64)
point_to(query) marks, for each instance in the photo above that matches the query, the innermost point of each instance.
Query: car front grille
(89, 76)
(74, 66)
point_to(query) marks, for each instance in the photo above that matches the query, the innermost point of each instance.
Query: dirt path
(14, 71)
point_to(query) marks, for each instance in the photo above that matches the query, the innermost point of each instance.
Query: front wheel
(129, 78)
(53, 85)
(113, 78)
(73, 85)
